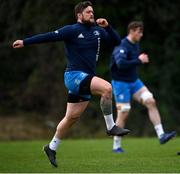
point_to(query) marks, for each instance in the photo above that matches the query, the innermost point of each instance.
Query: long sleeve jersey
(124, 61)
(82, 44)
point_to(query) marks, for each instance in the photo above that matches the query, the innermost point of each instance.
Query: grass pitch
(143, 155)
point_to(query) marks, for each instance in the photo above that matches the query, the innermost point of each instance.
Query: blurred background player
(126, 84)
(82, 41)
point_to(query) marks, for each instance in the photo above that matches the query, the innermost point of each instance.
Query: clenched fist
(144, 58)
(18, 44)
(102, 22)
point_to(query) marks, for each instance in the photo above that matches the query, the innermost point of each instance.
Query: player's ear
(79, 15)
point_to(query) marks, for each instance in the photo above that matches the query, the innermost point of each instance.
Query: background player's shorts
(72, 80)
(123, 91)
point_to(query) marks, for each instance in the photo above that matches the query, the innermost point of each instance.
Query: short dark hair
(134, 25)
(81, 6)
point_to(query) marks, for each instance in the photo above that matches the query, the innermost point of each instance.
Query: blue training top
(124, 61)
(82, 44)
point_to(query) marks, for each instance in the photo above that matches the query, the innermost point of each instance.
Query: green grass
(74, 156)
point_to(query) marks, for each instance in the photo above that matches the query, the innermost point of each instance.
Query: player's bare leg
(146, 98)
(122, 116)
(101, 87)
(73, 112)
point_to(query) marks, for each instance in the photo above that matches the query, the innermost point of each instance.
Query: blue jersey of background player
(126, 84)
(82, 42)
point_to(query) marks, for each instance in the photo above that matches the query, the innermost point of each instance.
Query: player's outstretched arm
(58, 35)
(18, 44)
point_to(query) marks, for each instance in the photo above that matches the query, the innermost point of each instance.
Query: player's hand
(144, 58)
(102, 22)
(18, 44)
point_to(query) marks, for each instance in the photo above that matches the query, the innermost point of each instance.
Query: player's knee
(107, 90)
(149, 103)
(73, 117)
(147, 97)
(123, 108)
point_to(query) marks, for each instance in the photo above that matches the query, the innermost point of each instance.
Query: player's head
(84, 12)
(135, 30)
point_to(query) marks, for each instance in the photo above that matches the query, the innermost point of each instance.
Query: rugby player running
(82, 45)
(126, 84)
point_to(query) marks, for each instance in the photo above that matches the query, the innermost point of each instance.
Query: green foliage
(32, 77)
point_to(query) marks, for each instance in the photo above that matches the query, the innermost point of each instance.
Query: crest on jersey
(96, 33)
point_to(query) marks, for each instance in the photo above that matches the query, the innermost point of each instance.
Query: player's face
(137, 34)
(87, 16)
